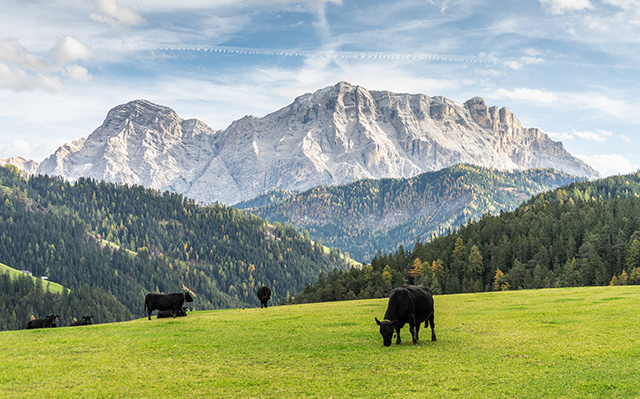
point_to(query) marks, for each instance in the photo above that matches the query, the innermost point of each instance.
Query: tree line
(370, 215)
(23, 297)
(583, 234)
(129, 241)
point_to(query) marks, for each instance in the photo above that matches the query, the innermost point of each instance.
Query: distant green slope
(47, 285)
(368, 216)
(558, 343)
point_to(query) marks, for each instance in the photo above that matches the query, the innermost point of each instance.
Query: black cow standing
(171, 302)
(169, 313)
(45, 322)
(85, 321)
(264, 294)
(411, 304)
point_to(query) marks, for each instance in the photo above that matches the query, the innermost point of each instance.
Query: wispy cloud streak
(377, 55)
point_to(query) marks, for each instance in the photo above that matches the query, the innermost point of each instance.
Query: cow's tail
(426, 322)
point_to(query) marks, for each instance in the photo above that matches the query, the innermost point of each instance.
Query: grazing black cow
(171, 302)
(45, 322)
(264, 294)
(85, 321)
(411, 304)
(169, 313)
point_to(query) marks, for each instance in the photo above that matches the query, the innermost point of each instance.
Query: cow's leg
(149, 311)
(433, 332)
(398, 340)
(417, 336)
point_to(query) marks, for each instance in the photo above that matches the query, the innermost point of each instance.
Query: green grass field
(52, 287)
(560, 343)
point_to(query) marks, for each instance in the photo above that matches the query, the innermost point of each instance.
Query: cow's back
(407, 300)
(422, 301)
(164, 301)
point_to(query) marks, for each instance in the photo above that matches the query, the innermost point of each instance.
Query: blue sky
(568, 67)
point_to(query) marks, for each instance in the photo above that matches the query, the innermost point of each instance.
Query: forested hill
(364, 217)
(583, 234)
(129, 241)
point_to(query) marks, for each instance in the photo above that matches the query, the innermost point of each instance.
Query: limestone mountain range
(336, 135)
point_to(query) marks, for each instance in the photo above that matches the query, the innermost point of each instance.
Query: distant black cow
(264, 294)
(85, 321)
(169, 313)
(45, 322)
(171, 302)
(409, 304)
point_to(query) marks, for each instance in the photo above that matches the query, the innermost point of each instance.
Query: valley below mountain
(369, 215)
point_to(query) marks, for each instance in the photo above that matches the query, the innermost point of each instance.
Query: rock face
(336, 135)
(23, 164)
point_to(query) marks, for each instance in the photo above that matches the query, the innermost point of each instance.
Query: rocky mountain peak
(139, 116)
(334, 135)
(25, 165)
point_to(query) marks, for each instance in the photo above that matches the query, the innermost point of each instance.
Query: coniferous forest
(583, 234)
(368, 215)
(110, 244)
(120, 242)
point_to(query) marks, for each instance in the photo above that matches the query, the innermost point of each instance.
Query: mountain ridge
(336, 135)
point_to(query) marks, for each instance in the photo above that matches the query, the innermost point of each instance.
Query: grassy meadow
(556, 343)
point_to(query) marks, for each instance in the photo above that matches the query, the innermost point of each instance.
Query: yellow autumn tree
(415, 270)
(496, 280)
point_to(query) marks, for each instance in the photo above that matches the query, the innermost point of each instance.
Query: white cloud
(610, 164)
(70, 49)
(77, 73)
(601, 103)
(627, 5)
(598, 135)
(557, 7)
(50, 83)
(114, 14)
(526, 95)
(12, 79)
(15, 147)
(13, 53)
(624, 138)
(562, 136)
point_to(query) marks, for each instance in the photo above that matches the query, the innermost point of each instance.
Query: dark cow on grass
(85, 321)
(171, 302)
(264, 294)
(45, 322)
(411, 304)
(169, 313)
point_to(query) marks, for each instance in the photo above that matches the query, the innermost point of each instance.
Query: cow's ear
(377, 321)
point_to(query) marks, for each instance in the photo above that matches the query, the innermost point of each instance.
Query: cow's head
(386, 330)
(87, 319)
(187, 297)
(52, 320)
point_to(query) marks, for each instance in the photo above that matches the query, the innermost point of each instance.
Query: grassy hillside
(48, 285)
(87, 233)
(569, 343)
(368, 216)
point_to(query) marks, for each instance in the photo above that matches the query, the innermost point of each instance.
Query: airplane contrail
(472, 59)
